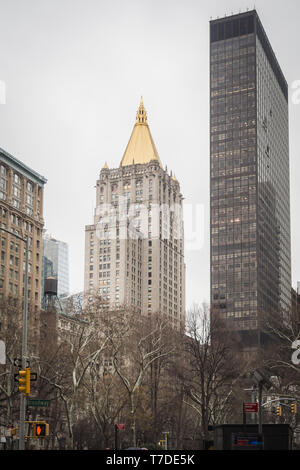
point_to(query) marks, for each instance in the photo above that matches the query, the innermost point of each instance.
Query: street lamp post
(24, 338)
(262, 381)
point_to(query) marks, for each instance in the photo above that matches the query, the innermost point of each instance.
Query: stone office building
(21, 212)
(134, 250)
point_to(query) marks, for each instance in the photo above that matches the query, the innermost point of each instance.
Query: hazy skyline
(74, 72)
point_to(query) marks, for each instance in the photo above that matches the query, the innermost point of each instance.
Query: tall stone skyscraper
(134, 251)
(250, 190)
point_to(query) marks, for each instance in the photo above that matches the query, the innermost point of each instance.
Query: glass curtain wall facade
(56, 263)
(249, 175)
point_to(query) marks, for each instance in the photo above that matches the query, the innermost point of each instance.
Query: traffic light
(24, 381)
(278, 410)
(40, 429)
(294, 408)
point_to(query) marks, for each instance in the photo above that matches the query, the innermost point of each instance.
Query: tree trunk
(133, 421)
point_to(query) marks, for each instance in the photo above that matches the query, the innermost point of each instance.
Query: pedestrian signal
(40, 429)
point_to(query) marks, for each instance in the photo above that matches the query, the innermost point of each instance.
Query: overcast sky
(74, 71)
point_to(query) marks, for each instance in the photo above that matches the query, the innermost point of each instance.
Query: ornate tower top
(141, 115)
(141, 148)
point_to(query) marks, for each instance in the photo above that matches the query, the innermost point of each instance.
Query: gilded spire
(141, 148)
(105, 166)
(141, 115)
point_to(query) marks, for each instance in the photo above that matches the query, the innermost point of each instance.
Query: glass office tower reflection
(56, 264)
(249, 155)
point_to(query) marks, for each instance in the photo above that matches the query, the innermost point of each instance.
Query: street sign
(38, 402)
(251, 407)
(18, 362)
(120, 426)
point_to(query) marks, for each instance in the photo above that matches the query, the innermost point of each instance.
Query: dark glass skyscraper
(249, 174)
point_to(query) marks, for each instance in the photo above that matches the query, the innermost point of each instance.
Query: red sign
(251, 407)
(120, 426)
(242, 442)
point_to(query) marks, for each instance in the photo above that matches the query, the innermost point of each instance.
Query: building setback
(134, 251)
(249, 176)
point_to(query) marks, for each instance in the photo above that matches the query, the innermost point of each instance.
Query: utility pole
(24, 349)
(253, 399)
(262, 381)
(166, 439)
(24, 338)
(260, 387)
(116, 437)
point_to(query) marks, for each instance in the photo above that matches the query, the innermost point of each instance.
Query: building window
(17, 179)
(29, 187)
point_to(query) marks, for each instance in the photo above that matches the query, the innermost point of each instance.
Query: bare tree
(213, 367)
(282, 357)
(106, 398)
(77, 353)
(142, 345)
(11, 334)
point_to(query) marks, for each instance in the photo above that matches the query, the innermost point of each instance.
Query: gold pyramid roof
(141, 147)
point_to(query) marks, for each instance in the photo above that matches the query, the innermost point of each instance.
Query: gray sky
(74, 72)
